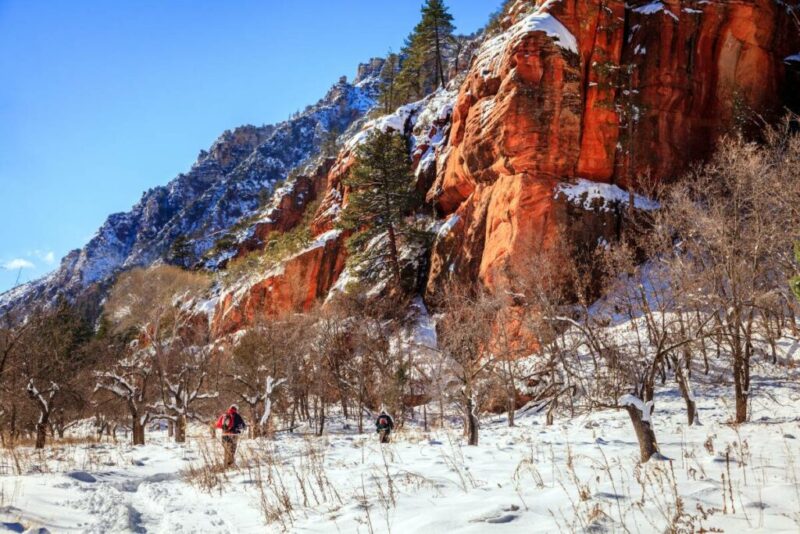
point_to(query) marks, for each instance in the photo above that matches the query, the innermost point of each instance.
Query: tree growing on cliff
(389, 72)
(424, 64)
(382, 195)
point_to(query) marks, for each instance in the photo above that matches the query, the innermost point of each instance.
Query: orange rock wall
(537, 113)
(533, 114)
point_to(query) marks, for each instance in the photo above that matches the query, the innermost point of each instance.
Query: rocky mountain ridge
(180, 222)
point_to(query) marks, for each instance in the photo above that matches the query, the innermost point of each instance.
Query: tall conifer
(424, 52)
(381, 197)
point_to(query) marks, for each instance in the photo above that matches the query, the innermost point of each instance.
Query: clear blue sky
(103, 99)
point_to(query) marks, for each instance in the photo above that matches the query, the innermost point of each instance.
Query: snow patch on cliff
(540, 20)
(603, 197)
(655, 7)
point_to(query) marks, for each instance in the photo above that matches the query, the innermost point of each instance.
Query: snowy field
(578, 475)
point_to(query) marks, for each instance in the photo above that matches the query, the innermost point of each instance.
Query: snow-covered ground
(579, 475)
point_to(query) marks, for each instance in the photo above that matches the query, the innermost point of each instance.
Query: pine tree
(436, 31)
(388, 82)
(410, 82)
(424, 53)
(382, 195)
(182, 251)
(330, 142)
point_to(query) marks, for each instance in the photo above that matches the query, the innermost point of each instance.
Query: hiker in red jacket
(384, 426)
(232, 425)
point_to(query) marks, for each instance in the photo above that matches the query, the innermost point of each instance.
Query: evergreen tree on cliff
(382, 194)
(423, 68)
(388, 82)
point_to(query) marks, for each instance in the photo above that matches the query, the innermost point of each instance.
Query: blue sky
(103, 99)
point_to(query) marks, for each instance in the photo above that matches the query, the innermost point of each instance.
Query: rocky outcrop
(286, 210)
(303, 278)
(560, 114)
(579, 88)
(293, 286)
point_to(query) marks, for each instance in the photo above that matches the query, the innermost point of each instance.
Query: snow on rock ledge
(602, 197)
(488, 63)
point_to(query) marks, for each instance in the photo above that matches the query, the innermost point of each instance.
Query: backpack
(225, 422)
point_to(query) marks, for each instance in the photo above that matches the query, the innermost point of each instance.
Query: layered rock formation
(537, 143)
(578, 88)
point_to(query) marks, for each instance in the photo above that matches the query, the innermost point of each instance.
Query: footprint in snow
(82, 476)
(505, 515)
(610, 496)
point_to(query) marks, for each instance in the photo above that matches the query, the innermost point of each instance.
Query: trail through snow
(580, 474)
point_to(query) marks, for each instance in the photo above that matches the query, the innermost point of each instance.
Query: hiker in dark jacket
(232, 425)
(384, 426)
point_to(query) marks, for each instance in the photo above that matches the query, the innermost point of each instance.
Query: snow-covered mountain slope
(182, 220)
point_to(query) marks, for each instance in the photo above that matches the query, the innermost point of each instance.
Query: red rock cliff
(572, 89)
(578, 88)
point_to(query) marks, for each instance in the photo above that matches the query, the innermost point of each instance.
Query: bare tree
(51, 360)
(737, 221)
(262, 361)
(464, 333)
(129, 379)
(156, 303)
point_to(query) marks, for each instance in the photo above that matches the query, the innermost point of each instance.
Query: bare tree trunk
(512, 405)
(686, 393)
(644, 434)
(255, 429)
(180, 429)
(138, 430)
(472, 422)
(360, 414)
(321, 427)
(740, 385)
(550, 417)
(137, 426)
(13, 424)
(394, 257)
(41, 431)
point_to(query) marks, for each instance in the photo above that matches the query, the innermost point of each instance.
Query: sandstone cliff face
(569, 92)
(294, 286)
(309, 276)
(536, 143)
(579, 88)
